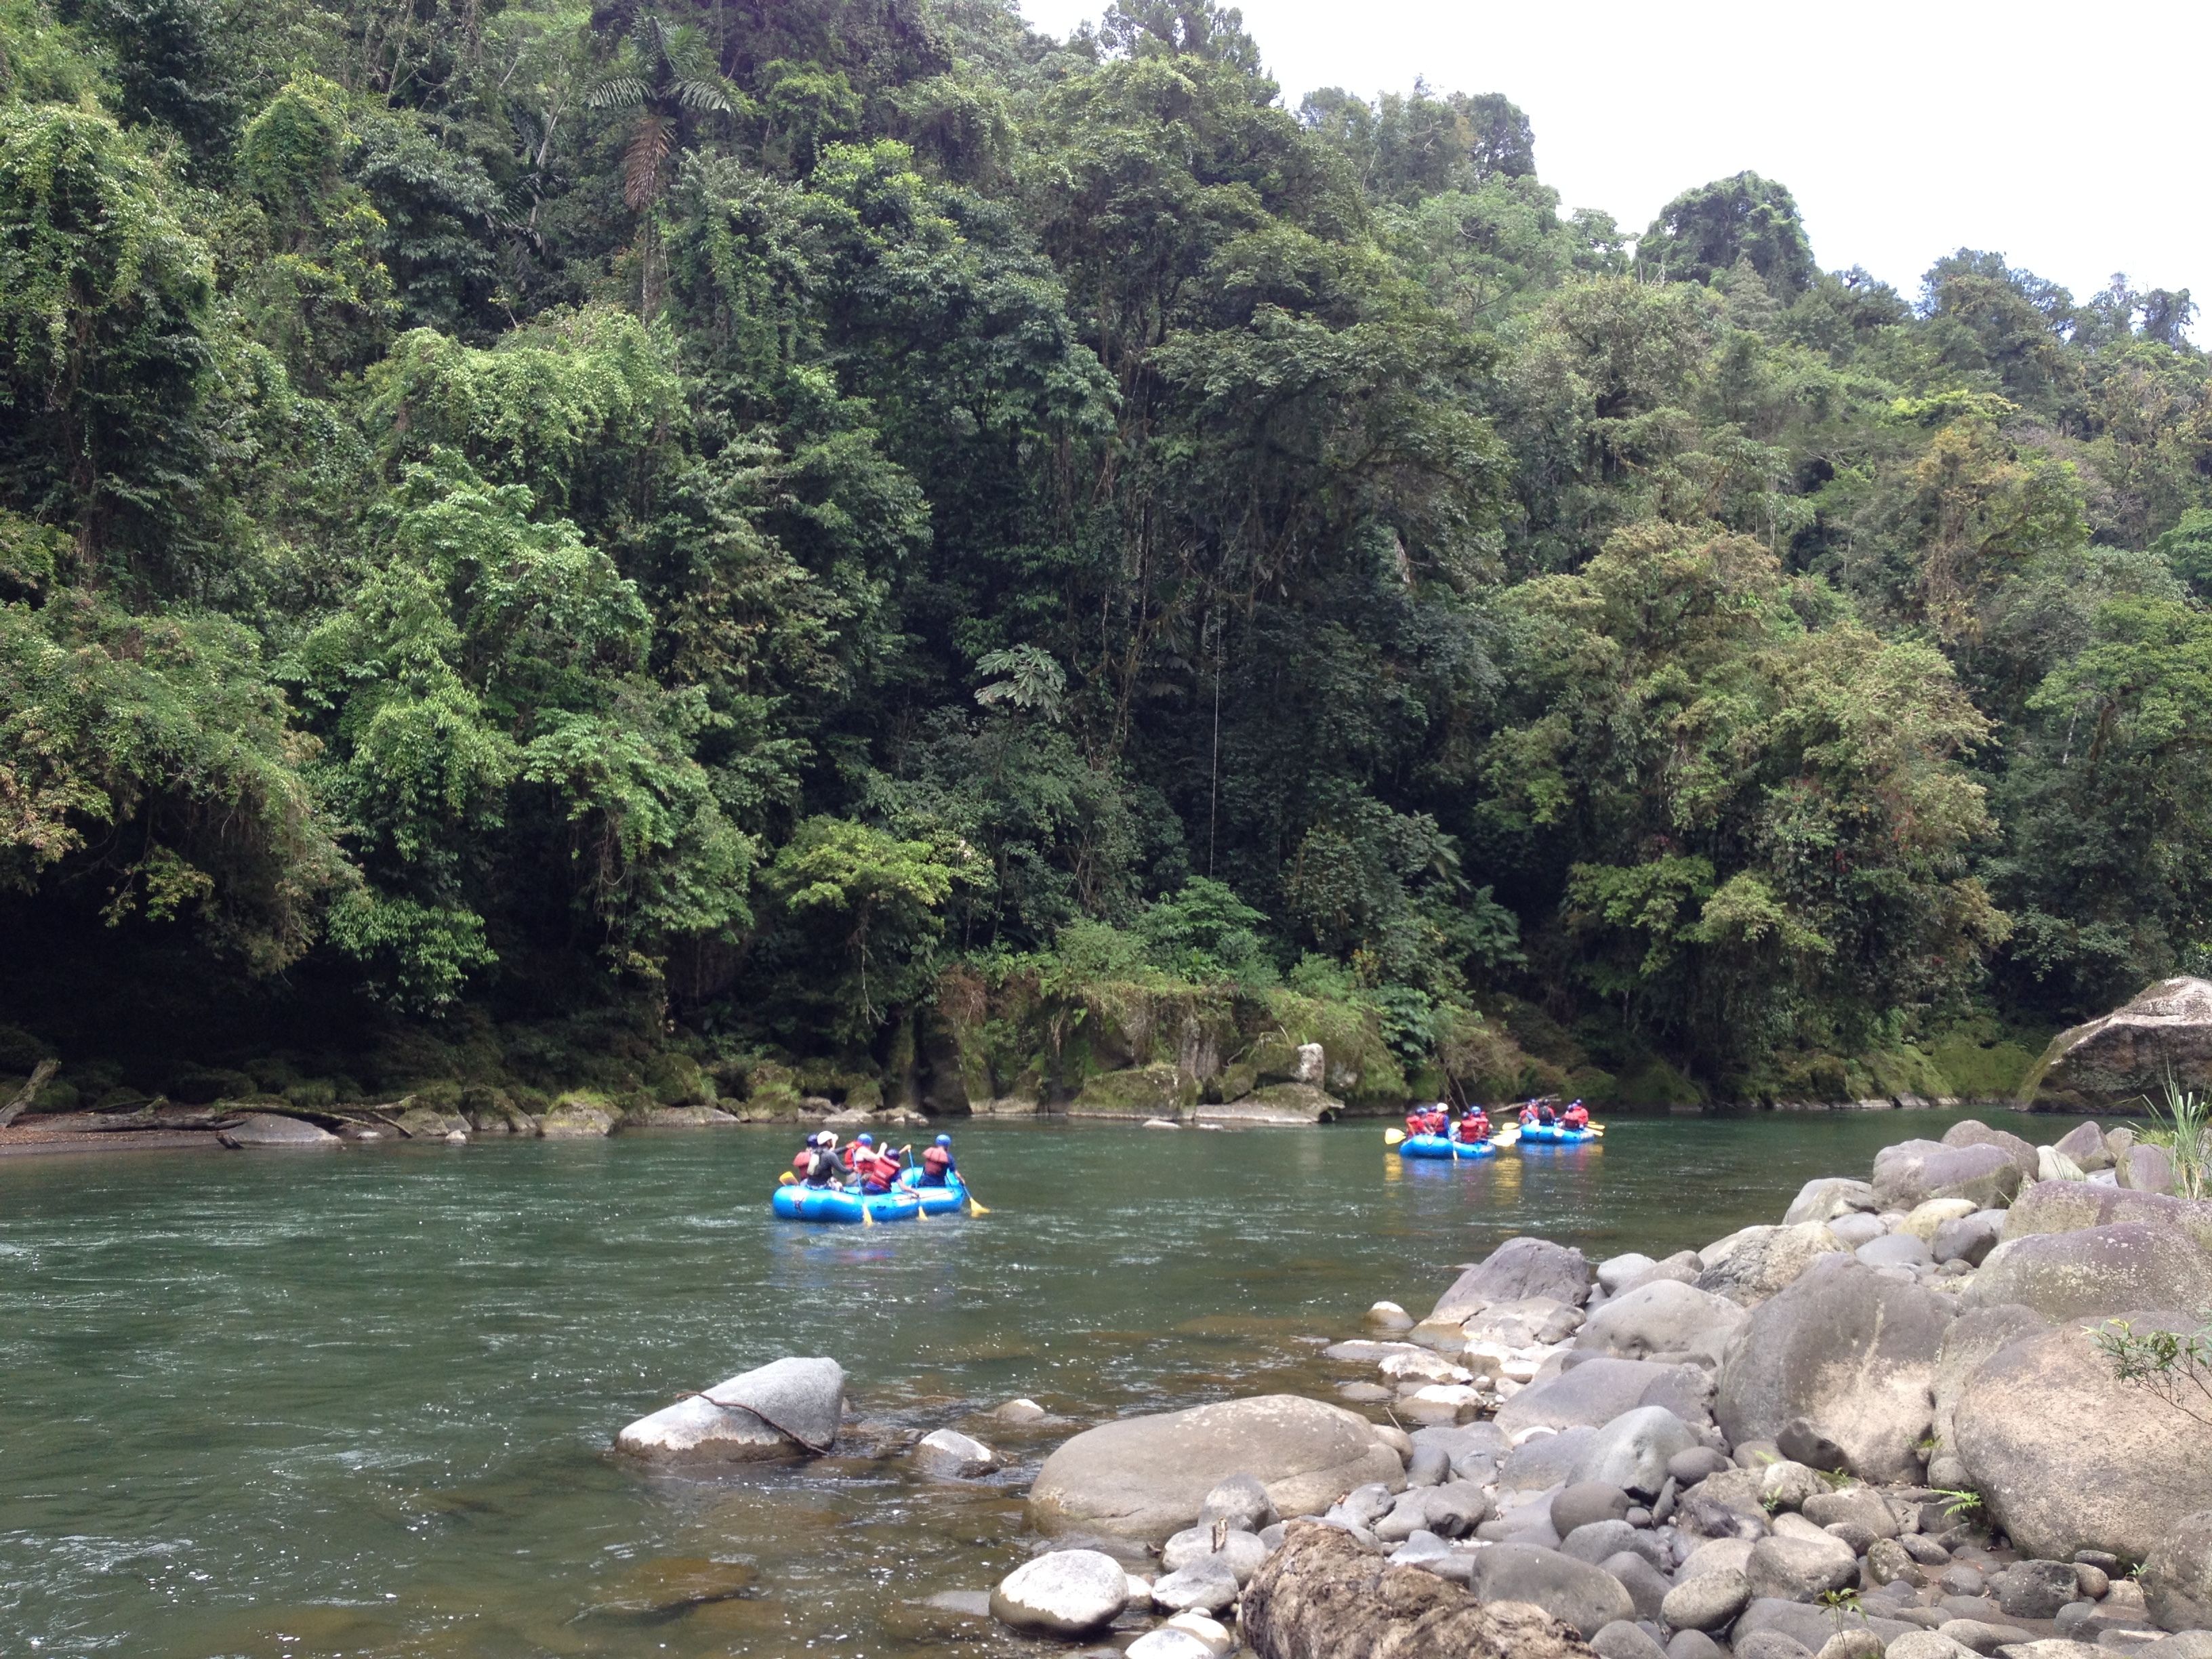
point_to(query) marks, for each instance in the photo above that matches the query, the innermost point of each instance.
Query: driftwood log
(1321, 1596)
(29, 1092)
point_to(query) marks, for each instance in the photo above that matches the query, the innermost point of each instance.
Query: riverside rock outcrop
(2165, 1031)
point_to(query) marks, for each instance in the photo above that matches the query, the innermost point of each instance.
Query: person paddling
(879, 1173)
(936, 1164)
(1577, 1116)
(1475, 1128)
(823, 1167)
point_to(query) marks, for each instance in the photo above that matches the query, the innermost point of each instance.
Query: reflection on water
(359, 1403)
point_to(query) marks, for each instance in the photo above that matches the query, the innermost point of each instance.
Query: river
(359, 1402)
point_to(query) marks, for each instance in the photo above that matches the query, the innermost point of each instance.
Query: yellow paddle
(1392, 1137)
(786, 1179)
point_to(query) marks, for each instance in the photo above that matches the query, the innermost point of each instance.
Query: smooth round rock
(1207, 1585)
(1708, 1602)
(1167, 1642)
(1647, 1586)
(1241, 1501)
(1694, 1465)
(1622, 1639)
(1073, 1593)
(1693, 1645)
(1588, 1501)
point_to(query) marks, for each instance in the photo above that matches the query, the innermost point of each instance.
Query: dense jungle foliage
(744, 510)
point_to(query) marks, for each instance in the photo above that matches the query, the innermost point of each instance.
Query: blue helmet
(944, 1140)
(867, 1140)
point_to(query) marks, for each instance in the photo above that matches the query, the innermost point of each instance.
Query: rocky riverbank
(1887, 1422)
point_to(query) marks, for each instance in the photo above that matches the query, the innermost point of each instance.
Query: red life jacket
(1528, 1116)
(936, 1161)
(877, 1175)
(1577, 1117)
(804, 1158)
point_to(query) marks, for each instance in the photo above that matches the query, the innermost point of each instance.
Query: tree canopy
(749, 509)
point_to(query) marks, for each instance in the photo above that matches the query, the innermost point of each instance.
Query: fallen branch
(40, 1076)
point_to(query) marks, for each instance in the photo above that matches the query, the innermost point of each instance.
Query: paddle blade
(867, 1215)
(786, 1179)
(1392, 1137)
(974, 1208)
(1598, 1129)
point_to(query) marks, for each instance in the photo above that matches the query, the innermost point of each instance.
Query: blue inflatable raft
(797, 1202)
(1555, 1134)
(1444, 1146)
(948, 1200)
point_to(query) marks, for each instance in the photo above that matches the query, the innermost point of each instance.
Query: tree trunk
(29, 1092)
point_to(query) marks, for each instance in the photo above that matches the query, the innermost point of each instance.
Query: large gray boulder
(1849, 1351)
(2146, 1168)
(1973, 1132)
(2166, 1031)
(1631, 1451)
(1147, 1477)
(1573, 1592)
(2069, 1457)
(1768, 1260)
(2084, 1144)
(1594, 1392)
(1663, 1315)
(1825, 1198)
(1970, 1238)
(1515, 1271)
(2177, 1576)
(786, 1406)
(2066, 1206)
(2098, 1270)
(273, 1130)
(1913, 1171)
(1071, 1593)
(1973, 1336)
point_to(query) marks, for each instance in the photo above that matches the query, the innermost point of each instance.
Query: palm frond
(702, 94)
(618, 92)
(649, 148)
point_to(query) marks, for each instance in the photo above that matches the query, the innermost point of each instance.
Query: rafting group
(863, 1183)
(1430, 1131)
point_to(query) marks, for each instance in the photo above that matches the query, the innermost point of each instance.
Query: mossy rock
(676, 1079)
(579, 1116)
(1154, 1090)
(492, 1111)
(1273, 1058)
(313, 1094)
(425, 1123)
(772, 1088)
(441, 1095)
(1238, 1079)
(865, 1094)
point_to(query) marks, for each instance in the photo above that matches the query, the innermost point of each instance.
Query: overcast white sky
(2073, 143)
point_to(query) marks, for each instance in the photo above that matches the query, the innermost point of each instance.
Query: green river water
(359, 1402)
